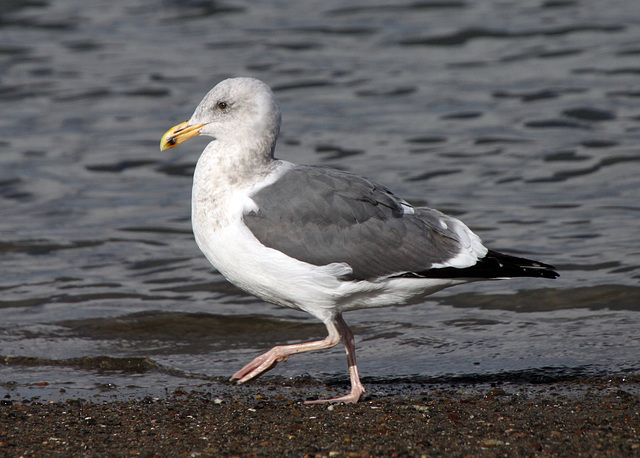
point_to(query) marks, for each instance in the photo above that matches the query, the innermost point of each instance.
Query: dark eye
(222, 105)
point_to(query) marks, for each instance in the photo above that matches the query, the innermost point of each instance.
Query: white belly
(267, 273)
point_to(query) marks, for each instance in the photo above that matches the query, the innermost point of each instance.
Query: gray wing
(322, 216)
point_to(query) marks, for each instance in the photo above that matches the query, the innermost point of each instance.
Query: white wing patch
(472, 247)
(249, 206)
(407, 208)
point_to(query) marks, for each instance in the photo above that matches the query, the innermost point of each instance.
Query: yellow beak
(178, 134)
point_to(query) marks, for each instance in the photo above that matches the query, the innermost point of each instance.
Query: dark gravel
(585, 417)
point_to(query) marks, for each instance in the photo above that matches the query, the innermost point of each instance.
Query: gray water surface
(520, 118)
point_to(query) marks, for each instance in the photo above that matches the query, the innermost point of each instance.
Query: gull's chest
(219, 229)
(217, 205)
(218, 196)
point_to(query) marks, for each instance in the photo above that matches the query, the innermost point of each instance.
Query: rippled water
(521, 118)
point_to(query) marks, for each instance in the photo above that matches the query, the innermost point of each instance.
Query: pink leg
(268, 360)
(357, 389)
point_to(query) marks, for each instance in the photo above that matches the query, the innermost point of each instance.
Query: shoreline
(591, 416)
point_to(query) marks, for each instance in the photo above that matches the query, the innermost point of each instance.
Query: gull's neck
(227, 170)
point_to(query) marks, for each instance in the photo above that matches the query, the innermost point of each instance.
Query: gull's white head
(236, 110)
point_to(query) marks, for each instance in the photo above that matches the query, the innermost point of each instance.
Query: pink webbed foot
(261, 364)
(280, 353)
(350, 398)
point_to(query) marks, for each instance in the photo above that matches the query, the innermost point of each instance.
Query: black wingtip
(522, 267)
(549, 272)
(496, 265)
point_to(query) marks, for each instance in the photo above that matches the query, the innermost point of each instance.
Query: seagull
(317, 239)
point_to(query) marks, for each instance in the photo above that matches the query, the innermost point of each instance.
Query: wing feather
(323, 216)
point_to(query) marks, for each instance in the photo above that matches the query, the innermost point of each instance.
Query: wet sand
(580, 417)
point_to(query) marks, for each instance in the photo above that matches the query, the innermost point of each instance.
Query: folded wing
(332, 216)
